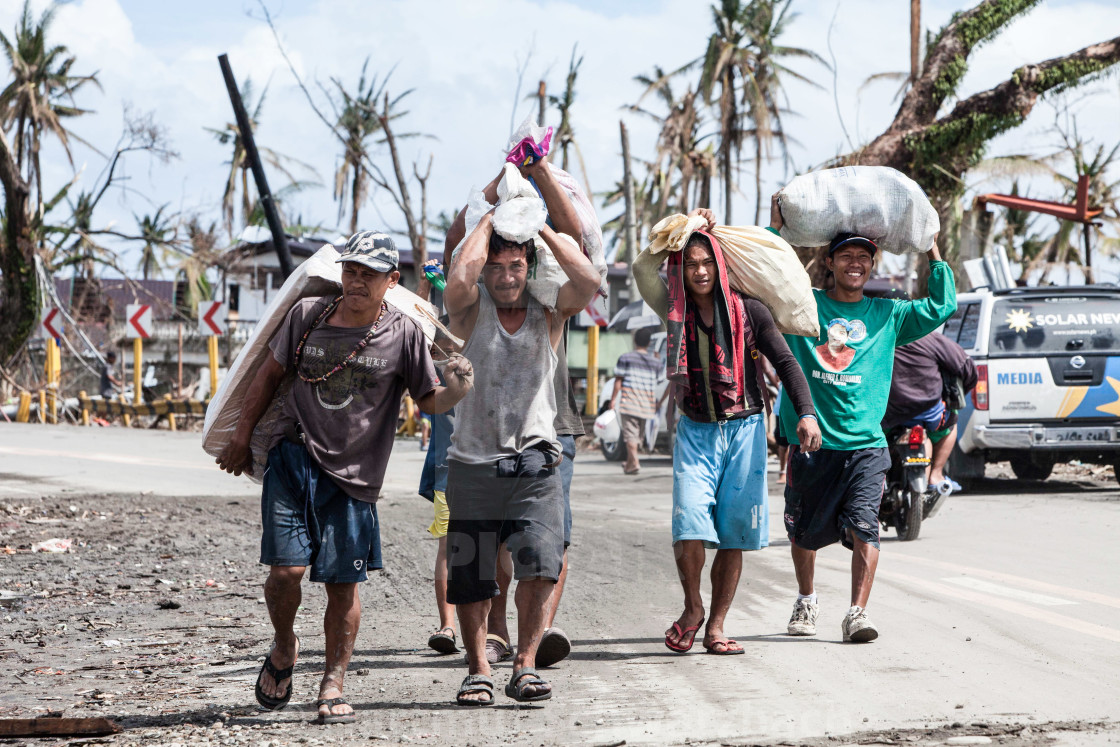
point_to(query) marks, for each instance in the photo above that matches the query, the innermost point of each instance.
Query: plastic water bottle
(436, 278)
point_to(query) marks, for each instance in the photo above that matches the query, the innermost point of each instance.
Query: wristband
(814, 417)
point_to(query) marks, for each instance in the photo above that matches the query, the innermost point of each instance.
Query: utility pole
(245, 128)
(542, 103)
(630, 228)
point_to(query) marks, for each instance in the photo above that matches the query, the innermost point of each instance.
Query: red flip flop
(690, 632)
(727, 650)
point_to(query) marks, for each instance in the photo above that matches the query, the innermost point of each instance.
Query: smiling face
(699, 269)
(363, 288)
(851, 266)
(506, 272)
(837, 337)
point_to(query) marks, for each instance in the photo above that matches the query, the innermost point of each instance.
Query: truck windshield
(1056, 325)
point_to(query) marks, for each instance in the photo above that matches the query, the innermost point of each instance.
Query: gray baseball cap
(373, 249)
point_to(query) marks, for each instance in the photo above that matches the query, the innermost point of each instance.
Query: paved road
(1004, 613)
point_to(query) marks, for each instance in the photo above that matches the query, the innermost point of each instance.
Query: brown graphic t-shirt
(349, 421)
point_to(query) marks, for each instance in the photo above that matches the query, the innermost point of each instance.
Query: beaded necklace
(353, 354)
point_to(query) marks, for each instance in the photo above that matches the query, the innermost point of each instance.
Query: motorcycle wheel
(908, 515)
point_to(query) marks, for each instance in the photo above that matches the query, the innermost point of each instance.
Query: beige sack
(320, 275)
(759, 264)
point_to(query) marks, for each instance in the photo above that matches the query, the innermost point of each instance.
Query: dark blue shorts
(566, 470)
(309, 521)
(834, 495)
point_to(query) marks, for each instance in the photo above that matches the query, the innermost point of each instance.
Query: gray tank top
(512, 406)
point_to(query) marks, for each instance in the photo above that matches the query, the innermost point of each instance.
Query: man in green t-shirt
(833, 494)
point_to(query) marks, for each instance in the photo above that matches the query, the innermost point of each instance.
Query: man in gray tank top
(503, 485)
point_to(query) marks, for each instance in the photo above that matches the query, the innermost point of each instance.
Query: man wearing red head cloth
(716, 335)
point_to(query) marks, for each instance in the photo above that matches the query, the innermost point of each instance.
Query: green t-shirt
(849, 367)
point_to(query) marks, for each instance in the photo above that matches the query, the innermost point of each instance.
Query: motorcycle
(908, 498)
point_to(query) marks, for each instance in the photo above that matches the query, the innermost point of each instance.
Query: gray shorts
(517, 501)
(633, 429)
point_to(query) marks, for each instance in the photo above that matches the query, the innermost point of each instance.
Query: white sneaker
(804, 619)
(857, 627)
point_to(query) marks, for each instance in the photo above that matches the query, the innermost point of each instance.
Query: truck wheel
(908, 516)
(1027, 469)
(613, 451)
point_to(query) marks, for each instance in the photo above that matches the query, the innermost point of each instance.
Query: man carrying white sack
(353, 357)
(503, 485)
(719, 457)
(833, 494)
(564, 219)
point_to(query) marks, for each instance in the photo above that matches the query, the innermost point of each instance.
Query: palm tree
(681, 152)
(239, 163)
(357, 122)
(727, 61)
(763, 93)
(565, 137)
(157, 232)
(40, 94)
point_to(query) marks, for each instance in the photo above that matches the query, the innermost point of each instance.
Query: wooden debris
(57, 727)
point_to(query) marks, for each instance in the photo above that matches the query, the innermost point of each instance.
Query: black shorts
(834, 495)
(517, 501)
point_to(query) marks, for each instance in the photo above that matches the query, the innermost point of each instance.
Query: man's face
(506, 273)
(699, 270)
(851, 265)
(837, 336)
(363, 288)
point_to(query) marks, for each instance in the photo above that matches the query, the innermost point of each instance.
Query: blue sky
(462, 58)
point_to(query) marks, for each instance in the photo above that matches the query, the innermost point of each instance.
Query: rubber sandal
(340, 718)
(554, 647)
(523, 678)
(497, 648)
(727, 643)
(267, 701)
(475, 683)
(442, 642)
(690, 632)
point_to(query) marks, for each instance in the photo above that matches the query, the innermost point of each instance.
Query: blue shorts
(719, 483)
(309, 521)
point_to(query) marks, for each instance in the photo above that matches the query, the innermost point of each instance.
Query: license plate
(1079, 435)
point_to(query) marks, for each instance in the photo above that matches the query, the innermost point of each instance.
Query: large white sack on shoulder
(320, 275)
(878, 202)
(592, 232)
(520, 219)
(546, 277)
(671, 232)
(765, 267)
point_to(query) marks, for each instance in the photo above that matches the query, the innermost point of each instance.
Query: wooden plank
(57, 727)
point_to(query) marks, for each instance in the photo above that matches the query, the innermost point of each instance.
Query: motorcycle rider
(917, 389)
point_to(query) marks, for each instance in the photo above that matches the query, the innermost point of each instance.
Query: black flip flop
(554, 646)
(267, 701)
(341, 718)
(475, 683)
(519, 681)
(442, 642)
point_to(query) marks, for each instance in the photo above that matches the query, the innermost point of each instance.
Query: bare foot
(282, 658)
(715, 640)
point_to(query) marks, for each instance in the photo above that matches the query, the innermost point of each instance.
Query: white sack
(759, 264)
(877, 202)
(546, 284)
(521, 214)
(320, 275)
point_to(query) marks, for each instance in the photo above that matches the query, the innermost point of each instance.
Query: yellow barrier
(23, 414)
(116, 408)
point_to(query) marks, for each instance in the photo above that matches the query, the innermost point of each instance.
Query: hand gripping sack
(320, 275)
(878, 202)
(759, 264)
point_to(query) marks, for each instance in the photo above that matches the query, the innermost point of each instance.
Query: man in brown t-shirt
(353, 356)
